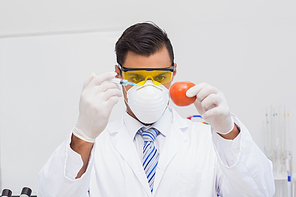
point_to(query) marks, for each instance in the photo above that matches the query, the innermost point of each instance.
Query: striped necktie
(150, 154)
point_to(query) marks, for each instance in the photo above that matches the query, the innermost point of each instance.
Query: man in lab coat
(102, 159)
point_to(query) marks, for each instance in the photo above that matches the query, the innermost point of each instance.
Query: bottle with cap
(6, 193)
(26, 192)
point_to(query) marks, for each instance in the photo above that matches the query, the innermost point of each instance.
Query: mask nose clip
(149, 83)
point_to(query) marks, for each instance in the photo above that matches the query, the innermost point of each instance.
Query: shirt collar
(132, 125)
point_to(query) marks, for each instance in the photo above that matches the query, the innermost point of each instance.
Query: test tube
(6, 193)
(26, 192)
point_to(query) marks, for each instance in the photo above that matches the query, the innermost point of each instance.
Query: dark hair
(143, 39)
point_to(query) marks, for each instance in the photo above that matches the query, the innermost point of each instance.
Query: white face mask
(148, 101)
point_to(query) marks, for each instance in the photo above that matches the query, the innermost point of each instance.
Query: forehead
(160, 59)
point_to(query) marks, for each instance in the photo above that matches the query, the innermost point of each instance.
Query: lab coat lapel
(173, 143)
(126, 148)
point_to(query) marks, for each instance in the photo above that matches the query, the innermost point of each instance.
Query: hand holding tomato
(178, 93)
(212, 106)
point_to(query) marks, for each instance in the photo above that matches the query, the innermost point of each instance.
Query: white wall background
(48, 48)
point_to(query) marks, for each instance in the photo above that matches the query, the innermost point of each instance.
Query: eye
(160, 77)
(136, 78)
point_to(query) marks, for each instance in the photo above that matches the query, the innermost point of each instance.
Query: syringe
(123, 82)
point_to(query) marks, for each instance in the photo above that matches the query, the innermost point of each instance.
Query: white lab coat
(192, 163)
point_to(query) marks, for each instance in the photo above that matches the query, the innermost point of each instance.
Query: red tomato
(178, 93)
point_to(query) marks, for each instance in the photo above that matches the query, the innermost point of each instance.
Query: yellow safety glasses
(139, 76)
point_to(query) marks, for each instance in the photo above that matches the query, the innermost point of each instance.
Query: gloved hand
(212, 106)
(97, 100)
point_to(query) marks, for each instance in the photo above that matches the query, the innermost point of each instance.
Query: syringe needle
(123, 82)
